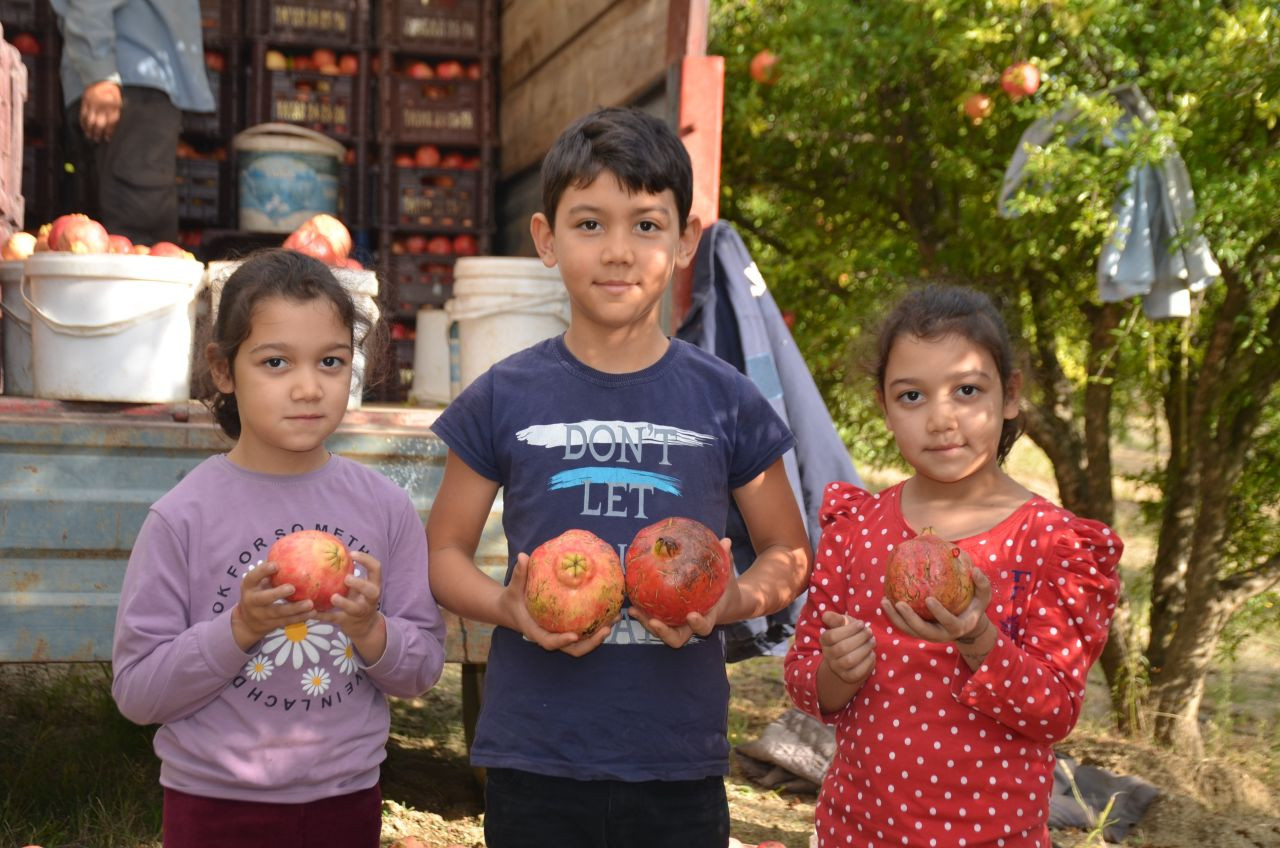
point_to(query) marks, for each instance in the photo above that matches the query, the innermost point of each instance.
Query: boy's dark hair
(638, 148)
(936, 311)
(288, 274)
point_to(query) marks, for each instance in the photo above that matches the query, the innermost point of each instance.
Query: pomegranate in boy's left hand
(929, 565)
(315, 563)
(675, 567)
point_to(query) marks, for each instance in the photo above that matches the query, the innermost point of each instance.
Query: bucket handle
(22, 323)
(107, 329)
(334, 148)
(556, 300)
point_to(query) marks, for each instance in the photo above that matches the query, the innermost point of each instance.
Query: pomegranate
(326, 228)
(19, 245)
(674, 567)
(764, 67)
(77, 233)
(977, 106)
(574, 583)
(925, 566)
(1020, 80)
(315, 563)
(119, 244)
(42, 237)
(168, 248)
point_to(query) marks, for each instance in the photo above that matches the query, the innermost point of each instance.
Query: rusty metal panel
(76, 481)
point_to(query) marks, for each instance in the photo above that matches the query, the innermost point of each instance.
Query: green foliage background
(857, 174)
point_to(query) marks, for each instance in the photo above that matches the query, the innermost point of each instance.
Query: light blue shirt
(151, 43)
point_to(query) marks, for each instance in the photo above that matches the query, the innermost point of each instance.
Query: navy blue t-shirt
(574, 447)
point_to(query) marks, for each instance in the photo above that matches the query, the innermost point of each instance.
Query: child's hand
(512, 602)
(257, 613)
(848, 648)
(356, 613)
(677, 636)
(947, 627)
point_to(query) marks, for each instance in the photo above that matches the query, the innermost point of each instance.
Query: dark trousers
(525, 810)
(349, 821)
(128, 184)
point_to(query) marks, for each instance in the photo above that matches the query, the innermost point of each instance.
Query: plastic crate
(419, 280)
(439, 25)
(201, 190)
(219, 19)
(350, 212)
(20, 14)
(435, 198)
(334, 22)
(211, 123)
(434, 110)
(13, 93)
(317, 101)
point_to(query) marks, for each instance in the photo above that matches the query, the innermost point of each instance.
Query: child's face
(291, 378)
(616, 251)
(945, 406)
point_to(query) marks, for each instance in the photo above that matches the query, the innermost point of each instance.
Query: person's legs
(352, 821)
(688, 813)
(137, 189)
(526, 810)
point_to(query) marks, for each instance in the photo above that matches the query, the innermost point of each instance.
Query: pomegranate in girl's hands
(675, 567)
(573, 583)
(315, 563)
(925, 566)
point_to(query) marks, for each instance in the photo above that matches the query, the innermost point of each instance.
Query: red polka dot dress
(929, 752)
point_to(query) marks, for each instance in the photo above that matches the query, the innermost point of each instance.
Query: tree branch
(1252, 582)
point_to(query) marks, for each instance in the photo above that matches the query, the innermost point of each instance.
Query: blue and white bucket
(286, 175)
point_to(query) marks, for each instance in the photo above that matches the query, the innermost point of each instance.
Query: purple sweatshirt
(301, 716)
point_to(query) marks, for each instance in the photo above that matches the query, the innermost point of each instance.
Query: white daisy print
(344, 654)
(298, 643)
(315, 681)
(259, 668)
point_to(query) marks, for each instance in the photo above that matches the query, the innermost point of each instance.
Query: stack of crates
(309, 65)
(206, 195)
(437, 132)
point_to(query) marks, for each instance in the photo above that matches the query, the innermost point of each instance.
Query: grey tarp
(1156, 251)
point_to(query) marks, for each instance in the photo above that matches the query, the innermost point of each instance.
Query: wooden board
(606, 60)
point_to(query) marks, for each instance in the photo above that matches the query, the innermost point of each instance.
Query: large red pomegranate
(315, 563)
(574, 583)
(674, 567)
(929, 565)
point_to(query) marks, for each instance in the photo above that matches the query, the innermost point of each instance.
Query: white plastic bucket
(503, 304)
(17, 331)
(363, 286)
(431, 358)
(111, 328)
(285, 174)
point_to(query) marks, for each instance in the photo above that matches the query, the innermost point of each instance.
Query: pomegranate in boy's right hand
(929, 565)
(674, 567)
(315, 563)
(573, 583)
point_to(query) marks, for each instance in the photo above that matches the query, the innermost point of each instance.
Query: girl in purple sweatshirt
(273, 716)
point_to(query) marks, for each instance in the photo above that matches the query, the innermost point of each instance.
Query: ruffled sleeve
(1036, 687)
(828, 589)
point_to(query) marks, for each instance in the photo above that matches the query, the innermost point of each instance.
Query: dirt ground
(1228, 800)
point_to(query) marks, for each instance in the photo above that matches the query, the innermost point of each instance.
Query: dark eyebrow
(963, 375)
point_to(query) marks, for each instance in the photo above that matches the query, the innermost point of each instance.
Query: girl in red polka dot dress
(945, 728)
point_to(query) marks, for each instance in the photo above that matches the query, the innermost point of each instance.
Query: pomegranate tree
(929, 566)
(573, 583)
(315, 563)
(674, 567)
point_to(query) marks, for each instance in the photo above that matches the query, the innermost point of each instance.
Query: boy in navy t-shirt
(617, 738)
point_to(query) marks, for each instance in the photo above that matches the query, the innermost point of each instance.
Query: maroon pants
(351, 821)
